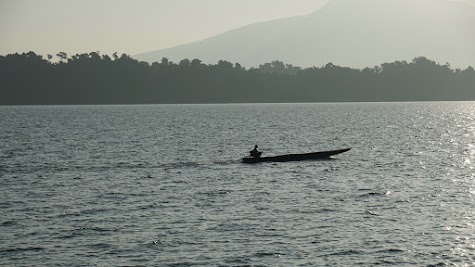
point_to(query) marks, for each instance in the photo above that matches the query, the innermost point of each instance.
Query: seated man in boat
(255, 153)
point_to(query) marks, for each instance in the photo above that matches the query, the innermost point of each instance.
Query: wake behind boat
(296, 157)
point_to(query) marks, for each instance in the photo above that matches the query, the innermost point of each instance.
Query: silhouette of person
(255, 153)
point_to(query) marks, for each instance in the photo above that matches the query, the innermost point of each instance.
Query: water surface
(163, 185)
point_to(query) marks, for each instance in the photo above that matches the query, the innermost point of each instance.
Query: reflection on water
(163, 185)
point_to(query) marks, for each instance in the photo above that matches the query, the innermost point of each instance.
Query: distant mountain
(354, 33)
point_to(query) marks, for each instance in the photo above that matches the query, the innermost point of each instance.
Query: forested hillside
(29, 79)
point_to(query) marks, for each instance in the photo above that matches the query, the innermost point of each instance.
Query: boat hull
(296, 157)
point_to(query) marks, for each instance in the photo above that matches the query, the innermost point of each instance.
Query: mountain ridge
(346, 33)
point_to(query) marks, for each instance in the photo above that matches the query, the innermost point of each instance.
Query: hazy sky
(129, 26)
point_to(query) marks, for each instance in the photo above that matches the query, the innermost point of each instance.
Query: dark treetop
(29, 79)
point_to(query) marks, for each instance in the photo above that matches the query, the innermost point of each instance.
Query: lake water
(162, 185)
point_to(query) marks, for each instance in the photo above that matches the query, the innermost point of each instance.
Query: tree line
(92, 78)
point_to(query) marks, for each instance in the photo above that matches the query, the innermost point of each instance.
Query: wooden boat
(296, 157)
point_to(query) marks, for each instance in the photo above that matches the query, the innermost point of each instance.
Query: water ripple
(162, 185)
